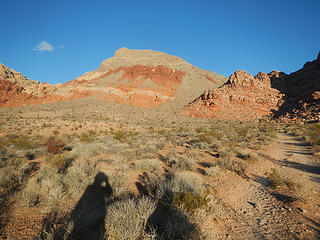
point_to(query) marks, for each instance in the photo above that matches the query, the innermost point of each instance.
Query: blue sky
(56, 41)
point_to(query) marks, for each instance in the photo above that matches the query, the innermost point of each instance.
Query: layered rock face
(145, 78)
(17, 90)
(301, 90)
(242, 97)
(293, 97)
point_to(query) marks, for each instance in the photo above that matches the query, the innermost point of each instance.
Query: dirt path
(251, 210)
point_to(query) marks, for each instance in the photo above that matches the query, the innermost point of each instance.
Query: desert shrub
(232, 165)
(226, 162)
(214, 171)
(55, 132)
(181, 182)
(88, 149)
(247, 155)
(59, 161)
(13, 171)
(151, 181)
(47, 186)
(176, 162)
(190, 201)
(89, 136)
(152, 165)
(79, 176)
(55, 145)
(276, 180)
(127, 219)
(314, 134)
(118, 183)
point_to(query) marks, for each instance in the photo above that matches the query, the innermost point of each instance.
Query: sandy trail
(251, 210)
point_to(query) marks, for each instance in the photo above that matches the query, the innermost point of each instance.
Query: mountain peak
(130, 57)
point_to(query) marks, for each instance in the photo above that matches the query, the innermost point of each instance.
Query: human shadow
(89, 214)
(87, 220)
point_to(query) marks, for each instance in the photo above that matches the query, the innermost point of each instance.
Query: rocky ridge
(242, 97)
(301, 90)
(17, 90)
(287, 97)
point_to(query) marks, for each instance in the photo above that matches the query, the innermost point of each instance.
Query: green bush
(190, 201)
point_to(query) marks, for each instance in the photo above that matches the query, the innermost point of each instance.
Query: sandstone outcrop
(286, 97)
(301, 90)
(17, 90)
(242, 97)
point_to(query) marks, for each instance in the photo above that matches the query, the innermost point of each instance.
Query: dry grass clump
(226, 162)
(127, 219)
(152, 165)
(247, 155)
(214, 171)
(60, 162)
(49, 186)
(178, 162)
(276, 180)
(118, 183)
(88, 149)
(314, 134)
(181, 182)
(89, 136)
(12, 171)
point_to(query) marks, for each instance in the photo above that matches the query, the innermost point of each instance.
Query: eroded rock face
(17, 90)
(143, 78)
(144, 86)
(242, 97)
(301, 102)
(286, 97)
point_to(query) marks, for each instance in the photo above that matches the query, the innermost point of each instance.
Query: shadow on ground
(87, 220)
(301, 166)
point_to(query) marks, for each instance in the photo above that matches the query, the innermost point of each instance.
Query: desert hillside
(143, 78)
(294, 96)
(107, 156)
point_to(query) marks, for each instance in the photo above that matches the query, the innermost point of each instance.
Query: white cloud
(43, 47)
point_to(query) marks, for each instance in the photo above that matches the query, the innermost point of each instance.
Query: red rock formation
(301, 90)
(164, 83)
(242, 97)
(293, 97)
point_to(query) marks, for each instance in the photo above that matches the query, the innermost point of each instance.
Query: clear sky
(58, 40)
